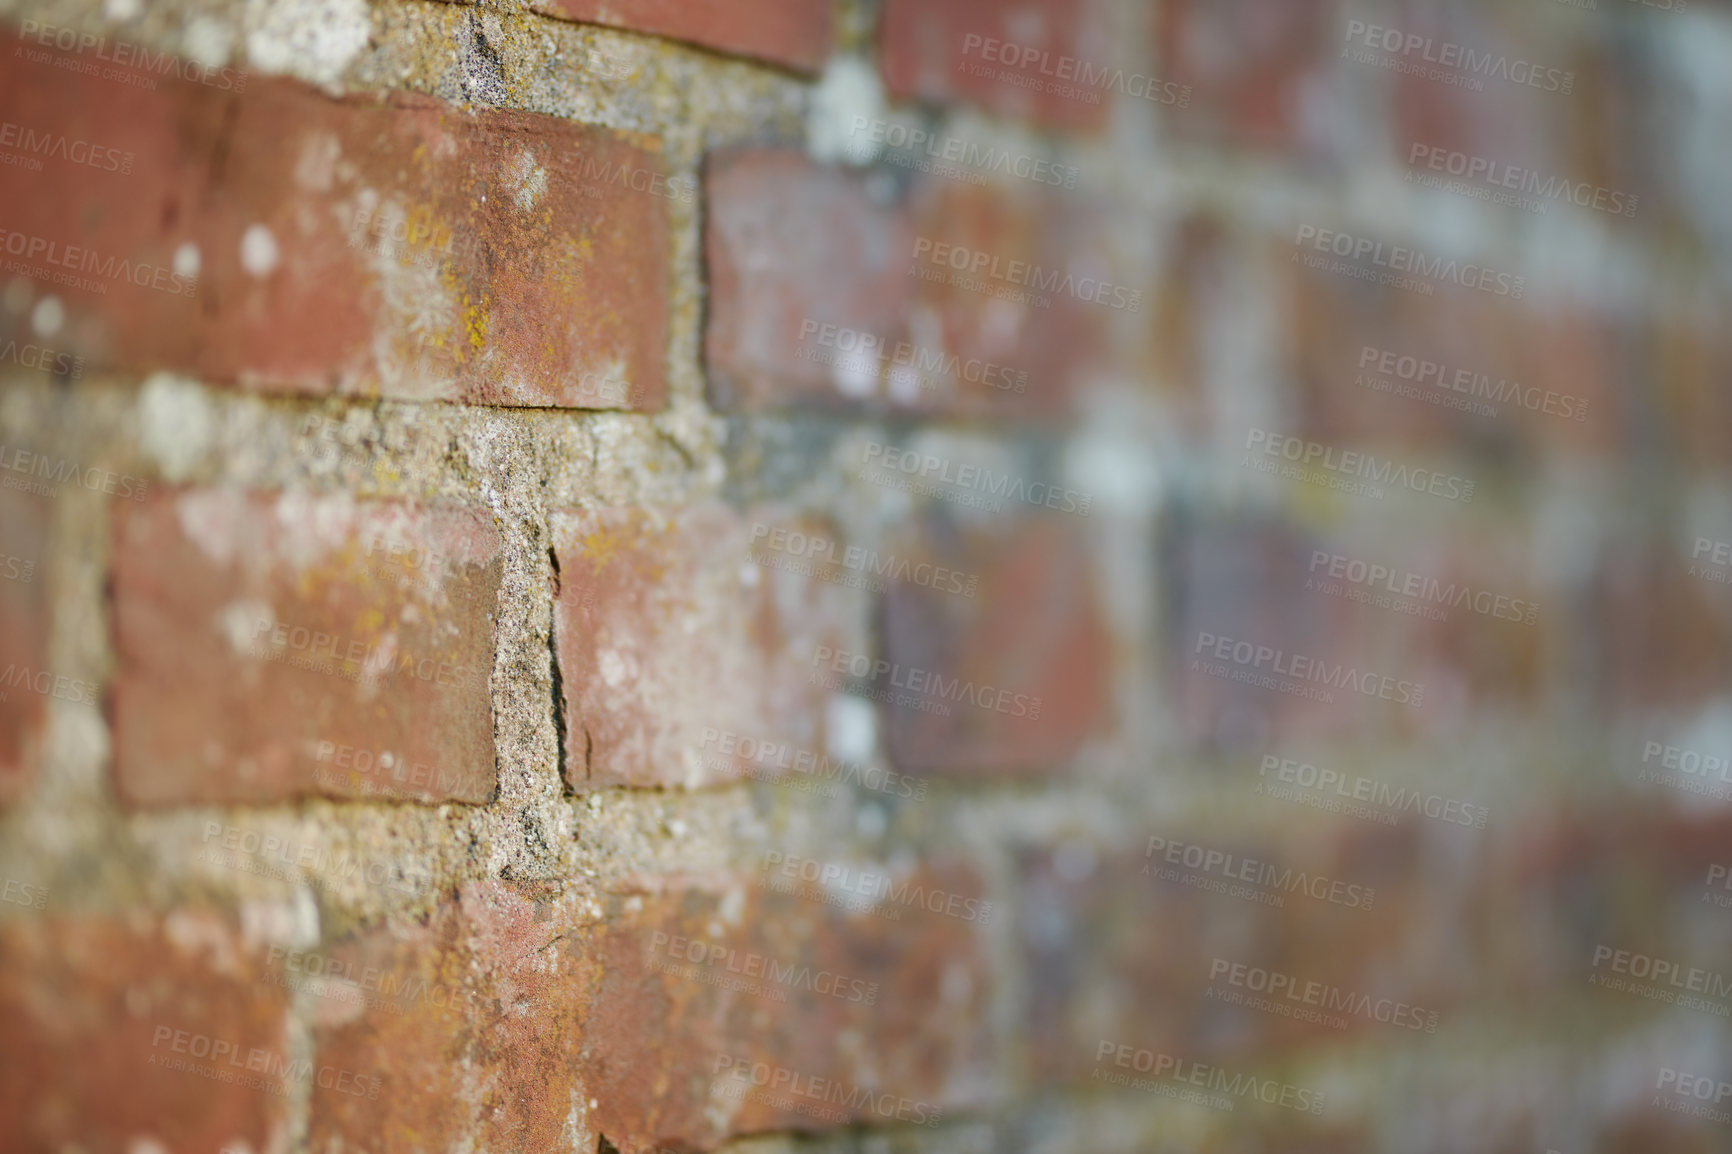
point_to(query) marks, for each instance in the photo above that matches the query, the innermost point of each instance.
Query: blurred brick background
(865, 575)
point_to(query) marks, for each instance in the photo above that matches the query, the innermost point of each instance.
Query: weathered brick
(1655, 633)
(1120, 953)
(395, 246)
(795, 33)
(563, 1027)
(824, 293)
(659, 1042)
(667, 630)
(495, 1063)
(792, 247)
(1024, 59)
(1250, 71)
(1436, 373)
(1022, 671)
(24, 616)
(97, 1014)
(1031, 280)
(279, 644)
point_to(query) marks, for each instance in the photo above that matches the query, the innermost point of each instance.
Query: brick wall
(865, 576)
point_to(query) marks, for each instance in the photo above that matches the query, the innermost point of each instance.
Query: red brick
(496, 1063)
(795, 33)
(794, 248)
(217, 591)
(665, 628)
(1118, 953)
(24, 616)
(1243, 581)
(1057, 337)
(559, 1009)
(88, 1014)
(1681, 364)
(508, 218)
(1515, 371)
(1659, 635)
(928, 48)
(654, 1038)
(791, 244)
(1032, 643)
(1250, 70)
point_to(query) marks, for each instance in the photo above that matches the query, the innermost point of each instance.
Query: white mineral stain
(312, 39)
(258, 250)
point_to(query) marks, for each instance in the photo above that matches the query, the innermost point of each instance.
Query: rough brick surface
(24, 609)
(1020, 59)
(1022, 670)
(492, 1058)
(792, 248)
(275, 645)
(825, 293)
(667, 629)
(1254, 71)
(285, 241)
(97, 1018)
(649, 1011)
(793, 33)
